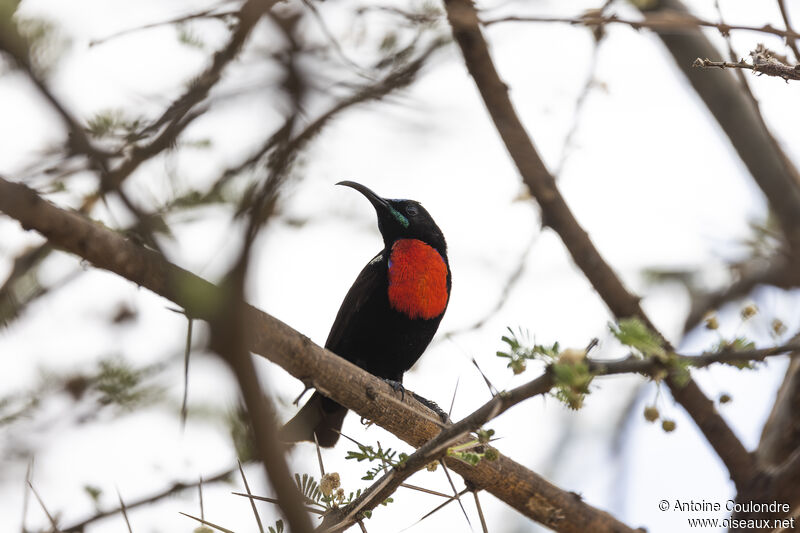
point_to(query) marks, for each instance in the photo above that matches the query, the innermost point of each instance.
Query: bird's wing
(360, 299)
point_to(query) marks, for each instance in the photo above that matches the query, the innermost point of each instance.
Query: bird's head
(402, 219)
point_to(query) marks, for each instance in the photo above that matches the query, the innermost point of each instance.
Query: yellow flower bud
(329, 483)
(571, 356)
(651, 413)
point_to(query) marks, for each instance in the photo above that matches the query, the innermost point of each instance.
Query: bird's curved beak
(380, 204)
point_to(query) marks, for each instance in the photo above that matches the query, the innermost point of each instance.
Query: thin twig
(176, 487)
(124, 512)
(426, 491)
(453, 401)
(319, 457)
(480, 511)
(435, 509)
(492, 389)
(790, 41)
(276, 502)
(334, 42)
(266, 336)
(186, 354)
(455, 492)
(502, 299)
(556, 214)
(252, 502)
(26, 494)
(652, 21)
(776, 69)
(205, 14)
(44, 508)
(209, 524)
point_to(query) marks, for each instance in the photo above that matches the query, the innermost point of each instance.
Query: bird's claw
(397, 387)
(433, 406)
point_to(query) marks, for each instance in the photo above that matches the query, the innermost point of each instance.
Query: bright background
(647, 172)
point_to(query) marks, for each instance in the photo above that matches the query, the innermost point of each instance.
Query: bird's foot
(433, 406)
(397, 387)
(297, 400)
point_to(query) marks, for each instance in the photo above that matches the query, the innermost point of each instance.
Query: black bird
(389, 315)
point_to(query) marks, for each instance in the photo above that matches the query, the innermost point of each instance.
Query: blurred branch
(463, 18)
(172, 122)
(398, 78)
(79, 527)
(436, 448)
(334, 377)
(331, 38)
(204, 14)
(781, 433)
(740, 119)
(508, 286)
(651, 366)
(653, 21)
(227, 321)
(736, 114)
(736, 110)
(778, 484)
(777, 272)
(790, 41)
(227, 339)
(454, 434)
(248, 15)
(15, 46)
(780, 437)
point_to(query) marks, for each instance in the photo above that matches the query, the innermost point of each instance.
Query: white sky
(649, 175)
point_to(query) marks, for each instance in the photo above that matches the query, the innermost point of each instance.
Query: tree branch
(752, 273)
(169, 491)
(781, 433)
(455, 434)
(790, 41)
(762, 64)
(334, 377)
(653, 21)
(555, 213)
(741, 121)
(337, 378)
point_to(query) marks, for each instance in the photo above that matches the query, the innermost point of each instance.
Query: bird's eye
(412, 210)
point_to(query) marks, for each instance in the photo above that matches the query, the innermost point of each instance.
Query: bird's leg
(397, 387)
(433, 406)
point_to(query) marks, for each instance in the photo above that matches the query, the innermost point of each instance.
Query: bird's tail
(319, 415)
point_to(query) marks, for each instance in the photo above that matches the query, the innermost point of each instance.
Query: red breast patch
(417, 279)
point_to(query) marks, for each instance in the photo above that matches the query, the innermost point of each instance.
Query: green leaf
(633, 333)
(93, 492)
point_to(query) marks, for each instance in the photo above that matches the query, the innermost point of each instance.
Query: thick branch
(342, 381)
(734, 111)
(781, 434)
(172, 122)
(556, 214)
(435, 448)
(741, 121)
(790, 41)
(456, 434)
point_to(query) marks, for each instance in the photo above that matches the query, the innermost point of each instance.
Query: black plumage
(391, 312)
